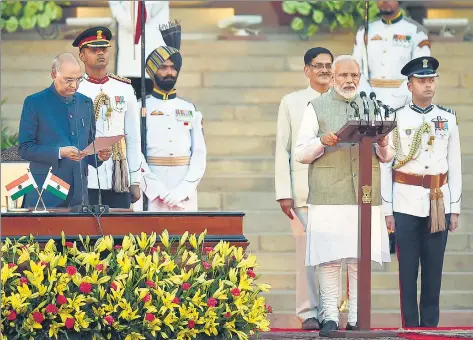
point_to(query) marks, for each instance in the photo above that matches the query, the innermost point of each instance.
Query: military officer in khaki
(426, 189)
(291, 177)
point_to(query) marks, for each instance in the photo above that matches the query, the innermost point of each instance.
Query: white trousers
(330, 287)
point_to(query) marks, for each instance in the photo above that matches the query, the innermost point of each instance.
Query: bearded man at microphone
(332, 229)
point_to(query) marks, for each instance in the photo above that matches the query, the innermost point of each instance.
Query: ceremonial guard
(426, 192)
(176, 151)
(116, 113)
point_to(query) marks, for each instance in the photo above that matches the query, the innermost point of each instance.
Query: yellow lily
(183, 238)
(165, 238)
(193, 241)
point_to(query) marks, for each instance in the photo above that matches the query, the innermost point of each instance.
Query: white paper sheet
(102, 143)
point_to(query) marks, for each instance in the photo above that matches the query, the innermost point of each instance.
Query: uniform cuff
(387, 209)
(455, 208)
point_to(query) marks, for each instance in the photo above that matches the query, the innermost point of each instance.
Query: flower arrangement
(134, 290)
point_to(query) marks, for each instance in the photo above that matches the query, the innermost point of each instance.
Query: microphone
(366, 106)
(98, 208)
(377, 110)
(357, 110)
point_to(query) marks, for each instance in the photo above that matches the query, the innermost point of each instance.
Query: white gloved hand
(179, 194)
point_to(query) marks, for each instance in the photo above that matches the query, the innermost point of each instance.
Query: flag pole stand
(40, 198)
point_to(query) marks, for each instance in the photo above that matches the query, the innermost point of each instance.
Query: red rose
(69, 323)
(51, 309)
(11, 265)
(186, 286)
(99, 267)
(149, 317)
(109, 319)
(71, 270)
(38, 317)
(150, 283)
(190, 324)
(61, 299)
(117, 247)
(228, 315)
(154, 250)
(12, 315)
(113, 285)
(206, 265)
(23, 280)
(211, 302)
(251, 273)
(44, 263)
(85, 287)
(69, 244)
(270, 309)
(235, 292)
(208, 249)
(176, 300)
(146, 298)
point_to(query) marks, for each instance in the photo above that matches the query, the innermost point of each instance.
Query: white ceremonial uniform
(124, 119)
(332, 230)
(291, 182)
(157, 14)
(391, 44)
(442, 157)
(176, 153)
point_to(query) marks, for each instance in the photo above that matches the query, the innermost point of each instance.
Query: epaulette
(187, 100)
(122, 79)
(447, 109)
(420, 28)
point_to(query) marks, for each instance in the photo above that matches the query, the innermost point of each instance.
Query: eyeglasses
(354, 76)
(319, 66)
(72, 81)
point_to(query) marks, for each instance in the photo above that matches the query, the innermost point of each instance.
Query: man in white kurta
(175, 151)
(291, 181)
(332, 230)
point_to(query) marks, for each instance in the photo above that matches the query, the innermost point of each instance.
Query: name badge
(184, 116)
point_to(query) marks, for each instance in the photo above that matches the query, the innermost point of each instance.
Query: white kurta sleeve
(454, 169)
(150, 184)
(133, 138)
(308, 146)
(121, 14)
(282, 157)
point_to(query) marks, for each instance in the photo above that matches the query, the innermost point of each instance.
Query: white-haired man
(332, 229)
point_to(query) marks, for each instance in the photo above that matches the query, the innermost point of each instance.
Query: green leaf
(304, 8)
(43, 20)
(318, 16)
(289, 7)
(343, 18)
(17, 8)
(11, 25)
(52, 10)
(297, 24)
(3, 6)
(31, 8)
(312, 29)
(27, 23)
(333, 25)
(2, 23)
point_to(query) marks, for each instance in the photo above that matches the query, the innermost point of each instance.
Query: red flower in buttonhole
(109, 319)
(69, 323)
(212, 302)
(113, 285)
(85, 287)
(99, 267)
(71, 270)
(149, 317)
(38, 317)
(23, 280)
(251, 273)
(206, 265)
(150, 283)
(190, 324)
(117, 247)
(61, 299)
(11, 316)
(228, 315)
(11, 265)
(235, 292)
(51, 309)
(186, 286)
(176, 300)
(147, 298)
(69, 244)
(208, 249)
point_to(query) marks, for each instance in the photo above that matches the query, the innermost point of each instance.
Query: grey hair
(344, 57)
(62, 58)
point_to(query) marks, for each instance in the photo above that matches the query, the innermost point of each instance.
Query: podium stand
(365, 134)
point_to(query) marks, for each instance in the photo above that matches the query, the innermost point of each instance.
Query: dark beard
(388, 12)
(165, 84)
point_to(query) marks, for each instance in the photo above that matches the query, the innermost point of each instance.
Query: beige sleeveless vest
(333, 178)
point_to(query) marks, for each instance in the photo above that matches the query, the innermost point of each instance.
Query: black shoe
(311, 324)
(352, 328)
(327, 328)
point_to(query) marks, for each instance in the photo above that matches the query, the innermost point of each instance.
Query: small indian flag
(56, 186)
(21, 186)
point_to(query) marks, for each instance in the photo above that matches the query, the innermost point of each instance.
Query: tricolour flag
(21, 186)
(56, 186)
